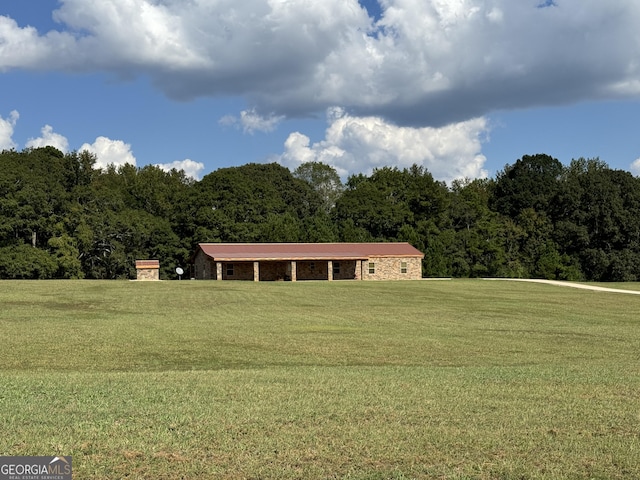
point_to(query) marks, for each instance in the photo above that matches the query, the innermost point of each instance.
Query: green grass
(364, 380)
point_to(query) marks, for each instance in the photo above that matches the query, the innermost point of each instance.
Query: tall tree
(598, 219)
(377, 204)
(478, 245)
(324, 179)
(232, 204)
(531, 182)
(32, 189)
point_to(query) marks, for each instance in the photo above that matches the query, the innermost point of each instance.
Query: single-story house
(307, 261)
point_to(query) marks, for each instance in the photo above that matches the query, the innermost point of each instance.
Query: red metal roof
(306, 251)
(148, 264)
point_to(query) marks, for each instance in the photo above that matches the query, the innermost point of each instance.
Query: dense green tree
(389, 199)
(280, 228)
(26, 262)
(324, 180)
(319, 228)
(350, 232)
(65, 250)
(480, 246)
(541, 256)
(60, 217)
(375, 206)
(598, 218)
(397, 205)
(132, 213)
(234, 204)
(531, 182)
(33, 195)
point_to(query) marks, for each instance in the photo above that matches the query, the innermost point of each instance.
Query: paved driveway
(570, 284)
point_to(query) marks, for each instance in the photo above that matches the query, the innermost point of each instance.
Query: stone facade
(207, 269)
(203, 267)
(401, 266)
(147, 270)
(385, 268)
(274, 271)
(375, 268)
(312, 270)
(235, 270)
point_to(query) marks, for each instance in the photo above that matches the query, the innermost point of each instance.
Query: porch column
(293, 271)
(330, 270)
(358, 269)
(256, 271)
(218, 270)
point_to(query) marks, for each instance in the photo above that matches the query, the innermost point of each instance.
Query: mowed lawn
(461, 379)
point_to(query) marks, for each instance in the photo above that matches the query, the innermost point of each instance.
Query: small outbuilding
(147, 269)
(307, 261)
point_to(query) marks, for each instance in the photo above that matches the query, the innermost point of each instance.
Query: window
(229, 269)
(403, 267)
(372, 268)
(312, 265)
(336, 268)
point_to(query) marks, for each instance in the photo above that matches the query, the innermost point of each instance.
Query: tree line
(61, 217)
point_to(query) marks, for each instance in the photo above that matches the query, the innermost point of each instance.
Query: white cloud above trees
(191, 169)
(107, 151)
(110, 152)
(415, 83)
(7, 126)
(49, 138)
(361, 144)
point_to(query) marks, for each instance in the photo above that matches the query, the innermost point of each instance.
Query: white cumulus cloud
(251, 121)
(635, 167)
(191, 169)
(7, 126)
(110, 152)
(420, 63)
(49, 138)
(360, 144)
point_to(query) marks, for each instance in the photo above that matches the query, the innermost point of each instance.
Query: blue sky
(461, 87)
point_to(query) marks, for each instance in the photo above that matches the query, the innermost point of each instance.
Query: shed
(147, 269)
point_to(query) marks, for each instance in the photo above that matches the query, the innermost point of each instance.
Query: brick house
(307, 261)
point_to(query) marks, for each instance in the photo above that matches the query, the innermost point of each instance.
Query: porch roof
(228, 252)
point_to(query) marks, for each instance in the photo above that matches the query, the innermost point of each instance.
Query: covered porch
(289, 270)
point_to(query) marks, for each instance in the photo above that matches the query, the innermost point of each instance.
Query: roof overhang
(147, 264)
(274, 252)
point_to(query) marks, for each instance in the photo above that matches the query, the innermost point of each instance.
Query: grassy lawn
(462, 379)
